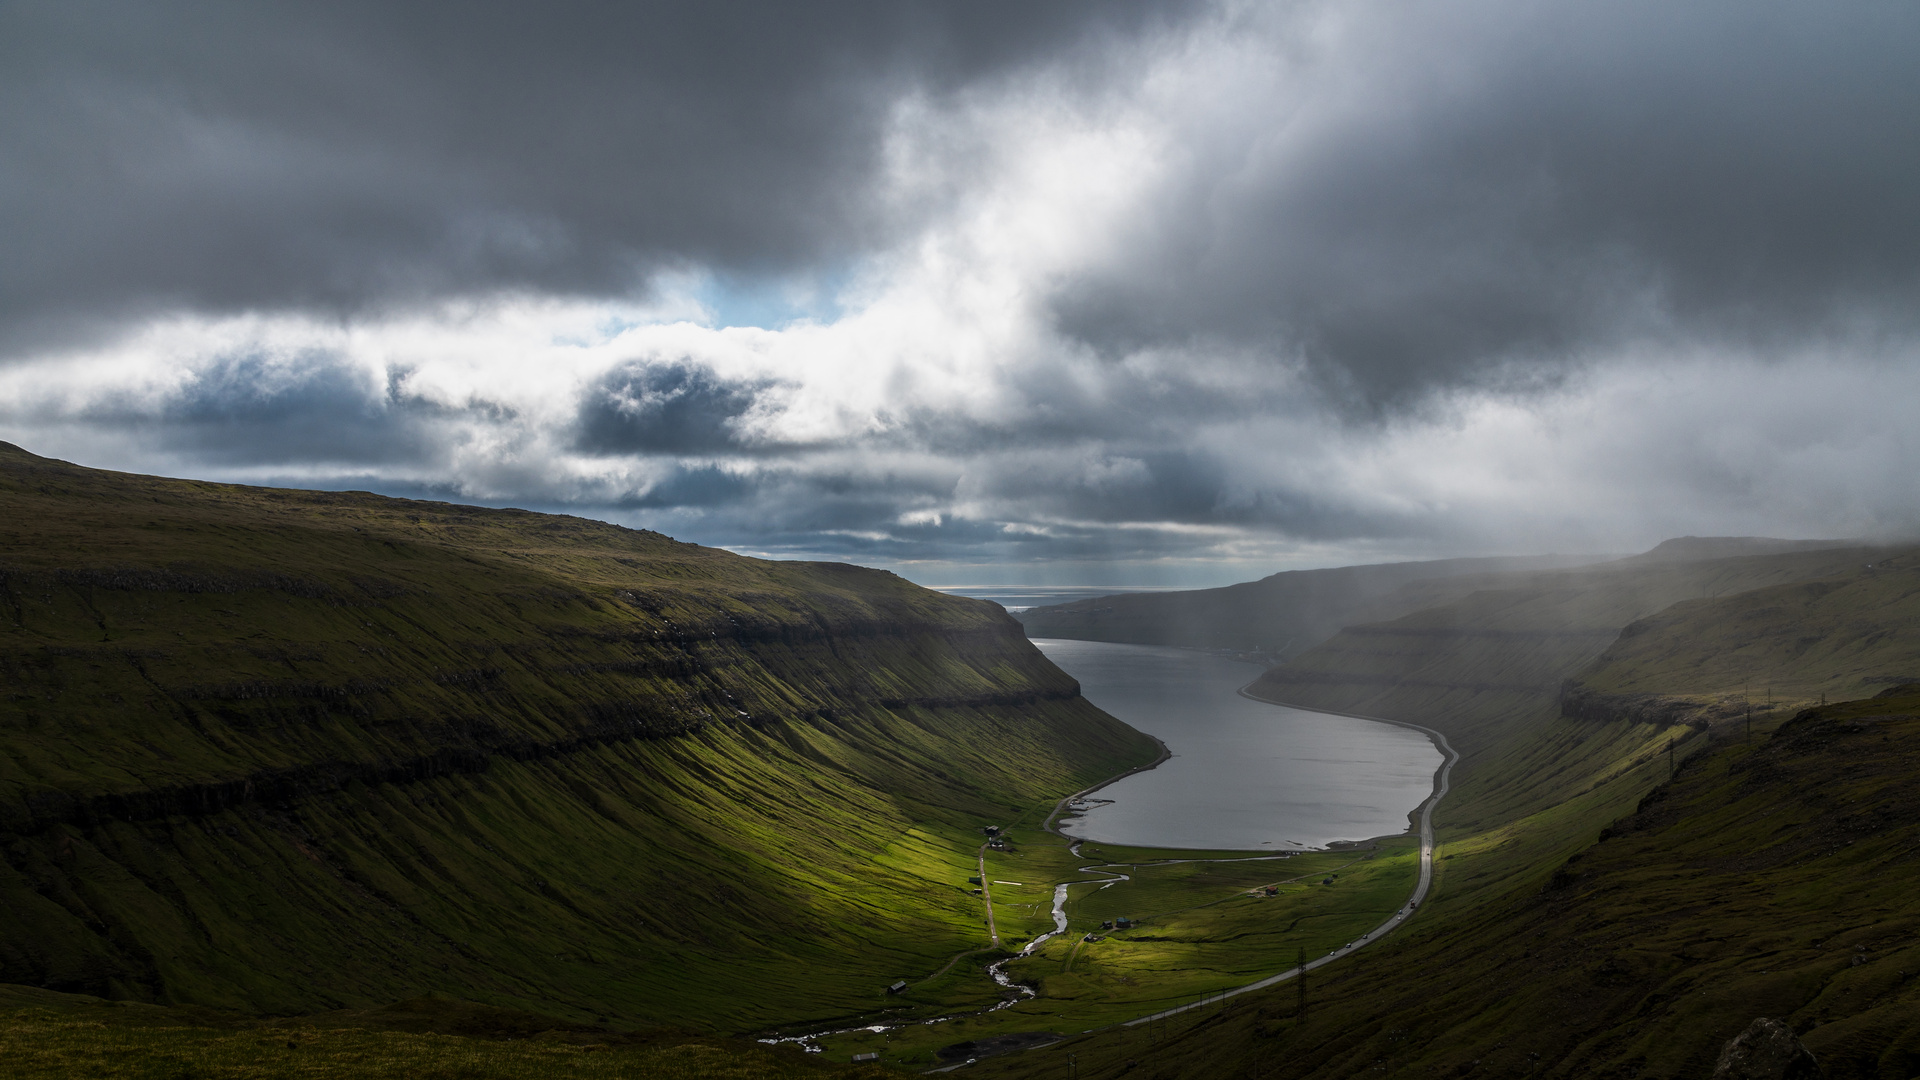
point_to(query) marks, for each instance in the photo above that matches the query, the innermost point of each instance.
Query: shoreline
(1165, 755)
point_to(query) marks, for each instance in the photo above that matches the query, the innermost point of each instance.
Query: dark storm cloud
(280, 410)
(986, 280)
(225, 156)
(1448, 188)
(695, 486)
(662, 408)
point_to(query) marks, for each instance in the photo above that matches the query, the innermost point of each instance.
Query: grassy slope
(51, 1035)
(1846, 636)
(282, 750)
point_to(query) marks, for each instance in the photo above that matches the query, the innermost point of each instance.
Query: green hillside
(1846, 636)
(283, 751)
(51, 1036)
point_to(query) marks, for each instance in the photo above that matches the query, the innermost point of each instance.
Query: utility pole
(1670, 742)
(1301, 979)
(1749, 724)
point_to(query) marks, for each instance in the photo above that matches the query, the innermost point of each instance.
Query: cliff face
(285, 750)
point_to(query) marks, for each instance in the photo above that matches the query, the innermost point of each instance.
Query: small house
(868, 1056)
(898, 988)
(1122, 923)
(1107, 925)
(1273, 890)
(991, 830)
(973, 881)
(1326, 881)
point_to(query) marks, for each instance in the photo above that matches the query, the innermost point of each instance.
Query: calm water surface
(1245, 775)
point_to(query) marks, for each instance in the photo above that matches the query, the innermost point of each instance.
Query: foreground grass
(44, 1035)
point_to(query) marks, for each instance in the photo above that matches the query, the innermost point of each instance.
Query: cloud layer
(1180, 291)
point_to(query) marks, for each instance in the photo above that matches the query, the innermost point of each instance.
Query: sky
(982, 291)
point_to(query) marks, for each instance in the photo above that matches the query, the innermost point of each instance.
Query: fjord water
(1245, 774)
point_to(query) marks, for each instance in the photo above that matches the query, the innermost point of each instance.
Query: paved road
(986, 893)
(1440, 785)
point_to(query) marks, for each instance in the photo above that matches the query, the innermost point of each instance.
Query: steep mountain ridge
(288, 750)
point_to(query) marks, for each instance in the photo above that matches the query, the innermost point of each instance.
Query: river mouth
(1245, 775)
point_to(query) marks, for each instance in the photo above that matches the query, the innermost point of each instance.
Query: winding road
(986, 893)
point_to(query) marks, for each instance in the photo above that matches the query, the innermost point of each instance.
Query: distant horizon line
(944, 588)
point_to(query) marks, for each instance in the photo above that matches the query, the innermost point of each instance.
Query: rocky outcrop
(1767, 1050)
(1579, 702)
